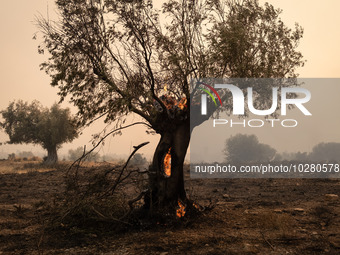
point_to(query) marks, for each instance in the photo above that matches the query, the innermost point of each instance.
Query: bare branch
(102, 139)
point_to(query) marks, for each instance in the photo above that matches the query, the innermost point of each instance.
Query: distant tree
(117, 57)
(33, 123)
(325, 151)
(247, 148)
(74, 154)
(26, 154)
(77, 153)
(138, 160)
(302, 156)
(278, 157)
(11, 156)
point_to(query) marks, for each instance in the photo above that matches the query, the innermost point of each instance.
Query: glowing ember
(196, 205)
(167, 164)
(171, 102)
(182, 103)
(180, 212)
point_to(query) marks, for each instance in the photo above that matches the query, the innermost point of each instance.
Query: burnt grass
(238, 216)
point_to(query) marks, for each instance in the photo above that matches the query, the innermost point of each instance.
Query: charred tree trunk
(52, 156)
(167, 188)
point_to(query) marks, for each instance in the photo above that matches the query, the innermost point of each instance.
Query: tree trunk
(52, 156)
(165, 191)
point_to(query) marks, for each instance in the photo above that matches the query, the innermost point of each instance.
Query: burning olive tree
(114, 57)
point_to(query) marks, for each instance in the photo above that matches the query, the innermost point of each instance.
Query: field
(245, 216)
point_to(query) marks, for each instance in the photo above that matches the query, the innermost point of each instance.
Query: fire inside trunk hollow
(167, 164)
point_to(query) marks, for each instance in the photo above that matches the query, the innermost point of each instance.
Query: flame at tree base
(181, 210)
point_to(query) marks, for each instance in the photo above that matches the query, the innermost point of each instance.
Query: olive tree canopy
(114, 57)
(33, 123)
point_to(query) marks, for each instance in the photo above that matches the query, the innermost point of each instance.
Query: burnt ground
(248, 216)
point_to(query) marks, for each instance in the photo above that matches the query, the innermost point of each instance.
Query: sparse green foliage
(33, 123)
(252, 41)
(115, 57)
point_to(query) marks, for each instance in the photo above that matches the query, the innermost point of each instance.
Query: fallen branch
(118, 180)
(265, 239)
(132, 201)
(109, 218)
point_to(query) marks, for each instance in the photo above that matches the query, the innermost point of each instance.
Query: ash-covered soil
(248, 216)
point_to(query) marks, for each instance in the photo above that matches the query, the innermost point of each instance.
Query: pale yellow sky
(22, 79)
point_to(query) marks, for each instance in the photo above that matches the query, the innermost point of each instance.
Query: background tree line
(247, 148)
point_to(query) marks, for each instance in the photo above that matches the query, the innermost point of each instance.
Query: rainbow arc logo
(208, 92)
(204, 97)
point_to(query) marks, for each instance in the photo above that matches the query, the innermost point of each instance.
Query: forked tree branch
(78, 161)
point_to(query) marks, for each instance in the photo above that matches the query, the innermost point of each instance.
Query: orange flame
(180, 212)
(182, 103)
(167, 164)
(170, 102)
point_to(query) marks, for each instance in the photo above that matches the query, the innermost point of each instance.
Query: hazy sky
(22, 79)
